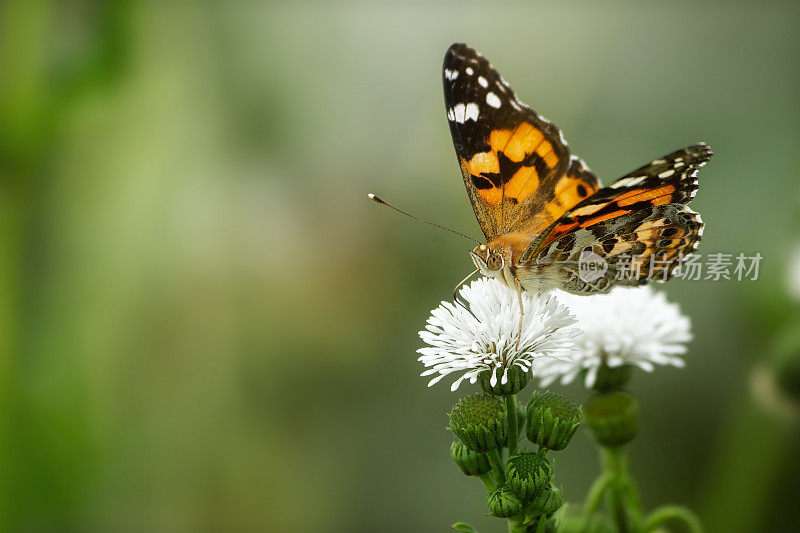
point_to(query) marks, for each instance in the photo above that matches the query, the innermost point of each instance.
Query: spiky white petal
(628, 326)
(459, 342)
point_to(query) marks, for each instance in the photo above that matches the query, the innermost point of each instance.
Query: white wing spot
(483, 82)
(627, 182)
(471, 112)
(450, 116)
(469, 71)
(458, 113)
(493, 100)
(666, 173)
(450, 74)
(658, 162)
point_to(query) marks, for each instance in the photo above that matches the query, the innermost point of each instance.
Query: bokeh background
(206, 326)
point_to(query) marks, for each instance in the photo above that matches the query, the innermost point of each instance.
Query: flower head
(487, 339)
(627, 326)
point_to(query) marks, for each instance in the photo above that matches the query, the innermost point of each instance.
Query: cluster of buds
(522, 487)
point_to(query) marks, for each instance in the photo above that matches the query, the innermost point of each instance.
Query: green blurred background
(206, 326)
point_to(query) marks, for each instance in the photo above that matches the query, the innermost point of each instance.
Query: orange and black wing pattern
(671, 179)
(516, 165)
(640, 223)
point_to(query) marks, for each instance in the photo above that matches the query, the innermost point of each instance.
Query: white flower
(466, 344)
(624, 327)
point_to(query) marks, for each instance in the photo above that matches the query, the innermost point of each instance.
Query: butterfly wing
(577, 183)
(640, 246)
(639, 223)
(669, 179)
(516, 164)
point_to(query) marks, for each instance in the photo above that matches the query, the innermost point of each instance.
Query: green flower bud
(503, 503)
(479, 421)
(613, 418)
(528, 474)
(517, 379)
(611, 379)
(552, 419)
(547, 502)
(471, 463)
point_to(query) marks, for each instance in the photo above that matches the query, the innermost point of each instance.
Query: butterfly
(547, 221)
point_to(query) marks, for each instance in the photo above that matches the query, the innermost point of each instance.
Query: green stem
(620, 490)
(513, 427)
(488, 481)
(664, 514)
(596, 493)
(516, 526)
(497, 465)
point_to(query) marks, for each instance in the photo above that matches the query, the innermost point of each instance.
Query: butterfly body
(542, 211)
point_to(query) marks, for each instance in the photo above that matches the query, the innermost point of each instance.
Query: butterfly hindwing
(640, 246)
(516, 164)
(669, 179)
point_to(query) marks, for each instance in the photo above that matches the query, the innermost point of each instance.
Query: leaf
(464, 528)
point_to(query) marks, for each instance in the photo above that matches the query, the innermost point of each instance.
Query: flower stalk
(497, 465)
(513, 425)
(669, 513)
(623, 499)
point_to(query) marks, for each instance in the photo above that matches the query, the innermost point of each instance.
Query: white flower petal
(459, 342)
(624, 327)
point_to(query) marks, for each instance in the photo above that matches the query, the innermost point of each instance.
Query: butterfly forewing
(514, 162)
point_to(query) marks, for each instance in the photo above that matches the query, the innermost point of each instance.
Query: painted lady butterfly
(542, 210)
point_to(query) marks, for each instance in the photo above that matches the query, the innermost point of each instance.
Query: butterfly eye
(495, 262)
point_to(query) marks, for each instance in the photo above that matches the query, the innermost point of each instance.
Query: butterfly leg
(455, 292)
(521, 310)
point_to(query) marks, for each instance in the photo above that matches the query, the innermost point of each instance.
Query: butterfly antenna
(378, 200)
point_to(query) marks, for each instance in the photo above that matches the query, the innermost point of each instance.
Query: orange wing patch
(658, 196)
(517, 160)
(575, 186)
(522, 184)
